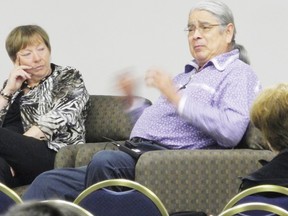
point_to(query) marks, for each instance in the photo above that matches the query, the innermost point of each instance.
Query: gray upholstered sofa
(201, 180)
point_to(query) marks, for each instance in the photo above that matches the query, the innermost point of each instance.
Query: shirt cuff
(182, 104)
(137, 102)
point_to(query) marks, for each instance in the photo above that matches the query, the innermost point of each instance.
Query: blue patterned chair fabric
(102, 199)
(8, 198)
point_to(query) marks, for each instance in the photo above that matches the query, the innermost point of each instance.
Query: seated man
(205, 107)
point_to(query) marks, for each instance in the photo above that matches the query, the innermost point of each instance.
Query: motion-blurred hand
(126, 83)
(159, 79)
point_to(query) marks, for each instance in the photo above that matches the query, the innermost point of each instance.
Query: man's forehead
(201, 16)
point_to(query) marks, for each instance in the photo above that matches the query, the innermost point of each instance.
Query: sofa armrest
(66, 156)
(199, 180)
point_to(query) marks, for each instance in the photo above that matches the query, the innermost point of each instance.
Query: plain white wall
(102, 37)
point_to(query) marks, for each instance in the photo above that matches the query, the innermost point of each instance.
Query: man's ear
(229, 32)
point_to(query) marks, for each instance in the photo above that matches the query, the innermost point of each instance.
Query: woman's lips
(37, 68)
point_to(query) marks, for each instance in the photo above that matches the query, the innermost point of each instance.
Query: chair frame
(254, 190)
(10, 193)
(254, 206)
(125, 183)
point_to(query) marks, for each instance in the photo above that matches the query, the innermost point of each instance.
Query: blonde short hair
(270, 114)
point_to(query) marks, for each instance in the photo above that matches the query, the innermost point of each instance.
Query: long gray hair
(223, 13)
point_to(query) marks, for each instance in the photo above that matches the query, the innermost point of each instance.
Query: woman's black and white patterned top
(58, 106)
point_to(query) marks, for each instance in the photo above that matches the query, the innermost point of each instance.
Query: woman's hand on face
(16, 78)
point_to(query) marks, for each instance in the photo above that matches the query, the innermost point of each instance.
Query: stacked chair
(101, 199)
(134, 199)
(253, 209)
(8, 198)
(250, 202)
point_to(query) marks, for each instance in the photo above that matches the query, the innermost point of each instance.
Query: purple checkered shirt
(213, 110)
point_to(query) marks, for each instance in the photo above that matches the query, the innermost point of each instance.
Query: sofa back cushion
(106, 118)
(253, 139)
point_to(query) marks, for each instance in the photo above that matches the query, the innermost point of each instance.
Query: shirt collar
(220, 62)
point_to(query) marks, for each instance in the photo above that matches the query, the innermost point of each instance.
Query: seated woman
(42, 107)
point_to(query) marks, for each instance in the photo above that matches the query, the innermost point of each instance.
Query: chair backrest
(137, 200)
(7, 198)
(242, 208)
(256, 190)
(74, 207)
(253, 194)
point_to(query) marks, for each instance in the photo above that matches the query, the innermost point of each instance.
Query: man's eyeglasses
(202, 28)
